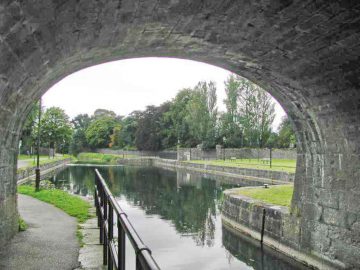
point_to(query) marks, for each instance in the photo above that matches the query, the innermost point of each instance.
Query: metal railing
(114, 248)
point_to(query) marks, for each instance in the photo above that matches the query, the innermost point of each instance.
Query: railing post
(106, 206)
(138, 265)
(101, 206)
(105, 248)
(110, 235)
(121, 245)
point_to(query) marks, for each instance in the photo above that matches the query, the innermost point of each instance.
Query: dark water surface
(177, 215)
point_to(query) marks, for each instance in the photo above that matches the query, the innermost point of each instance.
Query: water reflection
(250, 251)
(176, 213)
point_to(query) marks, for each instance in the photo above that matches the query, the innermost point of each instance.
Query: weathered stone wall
(274, 175)
(282, 230)
(227, 153)
(29, 173)
(305, 53)
(161, 154)
(140, 161)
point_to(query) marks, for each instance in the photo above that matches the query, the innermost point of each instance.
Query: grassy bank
(279, 195)
(98, 158)
(285, 165)
(70, 204)
(31, 162)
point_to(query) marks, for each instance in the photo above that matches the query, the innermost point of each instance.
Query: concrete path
(23, 163)
(49, 243)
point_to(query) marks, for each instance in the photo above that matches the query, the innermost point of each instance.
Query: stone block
(334, 217)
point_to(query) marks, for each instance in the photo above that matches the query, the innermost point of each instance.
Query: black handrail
(114, 253)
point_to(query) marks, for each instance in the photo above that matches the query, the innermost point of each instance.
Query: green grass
(99, 158)
(279, 195)
(27, 157)
(50, 160)
(286, 165)
(22, 225)
(70, 204)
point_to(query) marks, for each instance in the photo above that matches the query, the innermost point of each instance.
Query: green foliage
(27, 139)
(256, 112)
(100, 158)
(202, 114)
(99, 131)
(278, 195)
(78, 143)
(231, 130)
(191, 118)
(70, 204)
(22, 225)
(55, 129)
(286, 136)
(150, 133)
(177, 114)
(129, 127)
(115, 137)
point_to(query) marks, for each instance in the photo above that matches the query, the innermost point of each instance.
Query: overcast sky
(128, 85)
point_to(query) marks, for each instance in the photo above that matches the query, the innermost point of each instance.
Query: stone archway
(305, 53)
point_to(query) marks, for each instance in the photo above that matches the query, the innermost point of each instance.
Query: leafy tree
(257, 112)
(129, 127)
(148, 135)
(115, 137)
(231, 125)
(79, 143)
(55, 129)
(202, 114)
(177, 114)
(100, 113)
(27, 140)
(286, 136)
(99, 131)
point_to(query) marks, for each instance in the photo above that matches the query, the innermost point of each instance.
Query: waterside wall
(282, 229)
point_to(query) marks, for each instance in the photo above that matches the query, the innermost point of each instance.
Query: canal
(178, 216)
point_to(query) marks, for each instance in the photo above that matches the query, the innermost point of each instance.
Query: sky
(127, 85)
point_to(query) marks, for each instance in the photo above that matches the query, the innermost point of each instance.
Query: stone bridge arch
(305, 53)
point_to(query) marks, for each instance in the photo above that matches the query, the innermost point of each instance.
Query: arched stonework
(305, 53)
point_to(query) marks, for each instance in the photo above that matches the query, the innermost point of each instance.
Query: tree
(27, 140)
(177, 114)
(79, 143)
(55, 129)
(99, 131)
(115, 137)
(256, 112)
(286, 136)
(100, 113)
(148, 135)
(231, 127)
(202, 114)
(128, 131)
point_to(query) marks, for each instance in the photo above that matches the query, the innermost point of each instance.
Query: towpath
(49, 242)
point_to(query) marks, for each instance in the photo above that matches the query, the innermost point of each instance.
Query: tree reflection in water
(189, 201)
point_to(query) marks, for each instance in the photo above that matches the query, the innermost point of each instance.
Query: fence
(114, 248)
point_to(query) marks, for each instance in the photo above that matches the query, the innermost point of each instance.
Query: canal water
(177, 215)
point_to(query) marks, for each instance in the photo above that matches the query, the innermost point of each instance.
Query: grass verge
(286, 165)
(99, 158)
(279, 195)
(70, 204)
